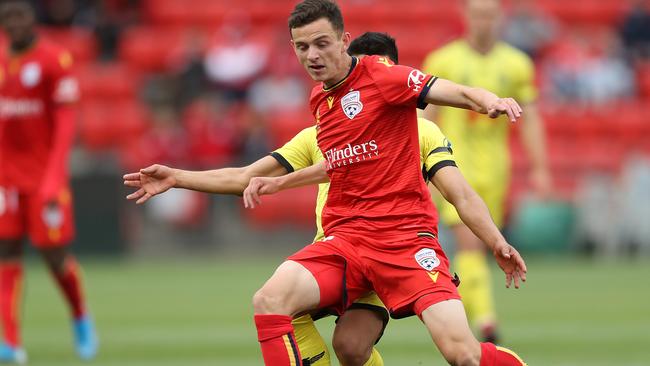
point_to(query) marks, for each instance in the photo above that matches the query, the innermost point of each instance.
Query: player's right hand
(507, 106)
(258, 186)
(150, 181)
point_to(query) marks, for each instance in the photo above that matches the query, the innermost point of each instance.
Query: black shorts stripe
(277, 156)
(439, 165)
(426, 233)
(294, 348)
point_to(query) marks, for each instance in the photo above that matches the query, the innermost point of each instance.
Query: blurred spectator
(186, 63)
(635, 31)
(236, 57)
(529, 28)
(278, 91)
(212, 131)
(587, 65)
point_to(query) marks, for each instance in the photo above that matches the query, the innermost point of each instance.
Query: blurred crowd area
(202, 84)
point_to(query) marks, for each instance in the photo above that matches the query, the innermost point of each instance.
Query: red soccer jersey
(32, 84)
(367, 131)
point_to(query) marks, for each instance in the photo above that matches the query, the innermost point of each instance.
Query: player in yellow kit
(481, 144)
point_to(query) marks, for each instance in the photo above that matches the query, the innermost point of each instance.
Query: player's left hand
(511, 262)
(507, 106)
(259, 186)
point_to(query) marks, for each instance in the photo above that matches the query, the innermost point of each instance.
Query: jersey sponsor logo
(67, 91)
(351, 154)
(427, 259)
(330, 101)
(20, 107)
(351, 104)
(433, 276)
(30, 75)
(52, 216)
(385, 61)
(415, 80)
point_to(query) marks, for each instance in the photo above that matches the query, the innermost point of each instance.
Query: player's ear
(347, 39)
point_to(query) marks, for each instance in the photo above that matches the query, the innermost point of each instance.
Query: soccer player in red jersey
(379, 221)
(37, 119)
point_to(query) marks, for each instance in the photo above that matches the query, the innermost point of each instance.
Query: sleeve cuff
(277, 156)
(425, 90)
(439, 165)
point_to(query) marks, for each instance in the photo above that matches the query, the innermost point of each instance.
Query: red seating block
(107, 81)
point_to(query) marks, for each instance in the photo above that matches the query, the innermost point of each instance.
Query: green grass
(194, 313)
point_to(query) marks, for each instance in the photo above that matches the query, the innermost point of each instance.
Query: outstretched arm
(448, 93)
(474, 213)
(258, 186)
(157, 179)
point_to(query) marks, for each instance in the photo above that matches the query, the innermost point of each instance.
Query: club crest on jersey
(351, 104)
(30, 75)
(52, 217)
(427, 259)
(416, 77)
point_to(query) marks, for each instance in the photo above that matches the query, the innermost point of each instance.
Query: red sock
(11, 278)
(275, 334)
(69, 281)
(492, 355)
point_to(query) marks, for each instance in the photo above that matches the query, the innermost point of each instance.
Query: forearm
(447, 93)
(63, 138)
(475, 214)
(219, 181)
(315, 174)
(533, 138)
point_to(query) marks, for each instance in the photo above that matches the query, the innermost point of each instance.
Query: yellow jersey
(302, 151)
(480, 143)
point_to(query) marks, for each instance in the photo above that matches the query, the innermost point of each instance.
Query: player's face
(483, 17)
(17, 20)
(322, 51)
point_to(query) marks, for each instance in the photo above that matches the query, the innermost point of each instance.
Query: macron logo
(351, 154)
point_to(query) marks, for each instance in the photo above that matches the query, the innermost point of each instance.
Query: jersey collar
(352, 65)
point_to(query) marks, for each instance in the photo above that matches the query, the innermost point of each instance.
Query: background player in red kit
(37, 120)
(379, 222)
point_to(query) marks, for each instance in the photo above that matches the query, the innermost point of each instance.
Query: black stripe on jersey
(276, 155)
(352, 65)
(426, 233)
(439, 165)
(441, 149)
(423, 94)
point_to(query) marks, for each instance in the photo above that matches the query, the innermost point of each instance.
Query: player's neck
(346, 68)
(23, 45)
(481, 44)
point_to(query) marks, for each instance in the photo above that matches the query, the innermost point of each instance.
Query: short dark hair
(309, 11)
(374, 43)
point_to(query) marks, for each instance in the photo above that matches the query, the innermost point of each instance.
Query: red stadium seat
(80, 42)
(603, 12)
(643, 79)
(283, 126)
(150, 48)
(109, 124)
(292, 207)
(107, 81)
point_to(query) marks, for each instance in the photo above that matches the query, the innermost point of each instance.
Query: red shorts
(409, 272)
(27, 214)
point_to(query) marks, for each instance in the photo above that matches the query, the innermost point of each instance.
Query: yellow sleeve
(525, 90)
(298, 152)
(435, 149)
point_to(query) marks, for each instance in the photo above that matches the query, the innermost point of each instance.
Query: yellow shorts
(494, 196)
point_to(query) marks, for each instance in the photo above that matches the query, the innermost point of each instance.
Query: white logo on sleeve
(416, 77)
(30, 75)
(351, 104)
(427, 259)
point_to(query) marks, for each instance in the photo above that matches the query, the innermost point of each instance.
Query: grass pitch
(571, 312)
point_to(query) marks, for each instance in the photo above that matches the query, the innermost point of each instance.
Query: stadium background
(208, 83)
